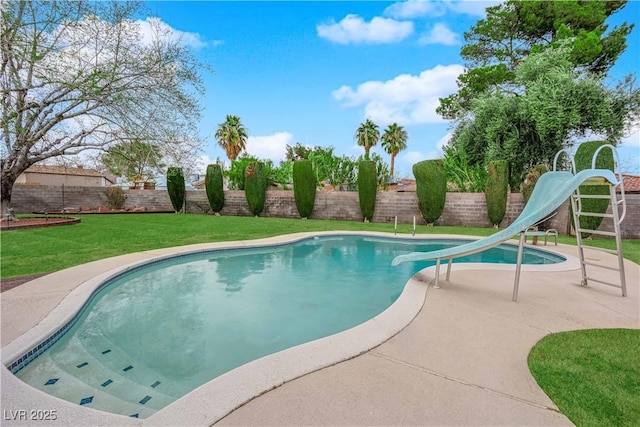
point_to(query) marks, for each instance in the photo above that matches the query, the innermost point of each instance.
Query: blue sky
(312, 71)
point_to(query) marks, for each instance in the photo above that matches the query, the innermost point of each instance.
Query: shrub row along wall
(460, 209)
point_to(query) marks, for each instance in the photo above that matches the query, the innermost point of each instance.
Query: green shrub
(175, 187)
(214, 186)
(431, 188)
(462, 177)
(495, 192)
(304, 187)
(255, 187)
(236, 172)
(367, 188)
(115, 197)
(583, 159)
(530, 180)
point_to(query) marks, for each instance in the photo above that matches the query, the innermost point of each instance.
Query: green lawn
(592, 375)
(44, 250)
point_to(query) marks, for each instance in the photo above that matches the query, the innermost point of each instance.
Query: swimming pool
(115, 356)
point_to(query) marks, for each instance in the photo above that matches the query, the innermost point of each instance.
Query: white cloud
(632, 139)
(153, 27)
(202, 162)
(412, 157)
(270, 147)
(415, 9)
(629, 152)
(473, 8)
(442, 142)
(354, 29)
(440, 34)
(405, 99)
(420, 8)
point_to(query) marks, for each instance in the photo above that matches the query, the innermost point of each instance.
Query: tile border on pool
(256, 377)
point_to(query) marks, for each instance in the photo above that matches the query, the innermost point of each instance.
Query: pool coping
(242, 384)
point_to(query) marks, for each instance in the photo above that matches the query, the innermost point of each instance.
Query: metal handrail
(617, 173)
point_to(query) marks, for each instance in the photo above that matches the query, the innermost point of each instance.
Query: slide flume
(550, 192)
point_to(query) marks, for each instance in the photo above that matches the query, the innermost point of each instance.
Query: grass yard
(44, 250)
(592, 375)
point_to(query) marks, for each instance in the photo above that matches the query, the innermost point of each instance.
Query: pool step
(106, 379)
(116, 360)
(53, 380)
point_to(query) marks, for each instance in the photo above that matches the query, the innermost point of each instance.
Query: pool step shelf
(94, 380)
(72, 389)
(115, 360)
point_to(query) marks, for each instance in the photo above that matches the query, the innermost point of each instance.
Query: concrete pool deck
(462, 360)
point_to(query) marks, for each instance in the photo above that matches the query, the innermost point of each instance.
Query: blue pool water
(155, 333)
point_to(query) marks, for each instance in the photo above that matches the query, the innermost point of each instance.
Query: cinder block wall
(460, 209)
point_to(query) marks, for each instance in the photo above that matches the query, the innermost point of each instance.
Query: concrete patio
(462, 360)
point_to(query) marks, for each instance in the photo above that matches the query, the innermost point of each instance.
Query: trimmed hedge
(304, 187)
(255, 187)
(583, 159)
(214, 187)
(495, 192)
(367, 188)
(431, 188)
(530, 180)
(176, 187)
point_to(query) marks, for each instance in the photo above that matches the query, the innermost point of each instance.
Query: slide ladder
(551, 191)
(618, 208)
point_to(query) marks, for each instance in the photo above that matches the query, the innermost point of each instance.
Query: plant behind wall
(431, 188)
(176, 187)
(304, 187)
(496, 191)
(367, 188)
(255, 187)
(583, 160)
(214, 187)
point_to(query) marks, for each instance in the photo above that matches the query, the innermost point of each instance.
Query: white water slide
(550, 192)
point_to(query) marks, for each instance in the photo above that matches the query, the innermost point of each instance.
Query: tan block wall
(462, 209)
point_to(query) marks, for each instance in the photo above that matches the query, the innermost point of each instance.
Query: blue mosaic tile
(86, 400)
(106, 351)
(52, 381)
(128, 368)
(82, 365)
(106, 383)
(145, 399)
(135, 416)
(156, 384)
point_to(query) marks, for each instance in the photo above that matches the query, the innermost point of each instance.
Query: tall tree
(232, 136)
(496, 45)
(394, 139)
(77, 76)
(555, 104)
(367, 136)
(135, 159)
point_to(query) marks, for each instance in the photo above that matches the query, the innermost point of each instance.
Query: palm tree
(367, 136)
(394, 140)
(232, 136)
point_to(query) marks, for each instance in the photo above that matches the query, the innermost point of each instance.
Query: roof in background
(63, 170)
(631, 183)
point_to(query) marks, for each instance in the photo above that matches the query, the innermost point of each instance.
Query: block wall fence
(460, 208)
